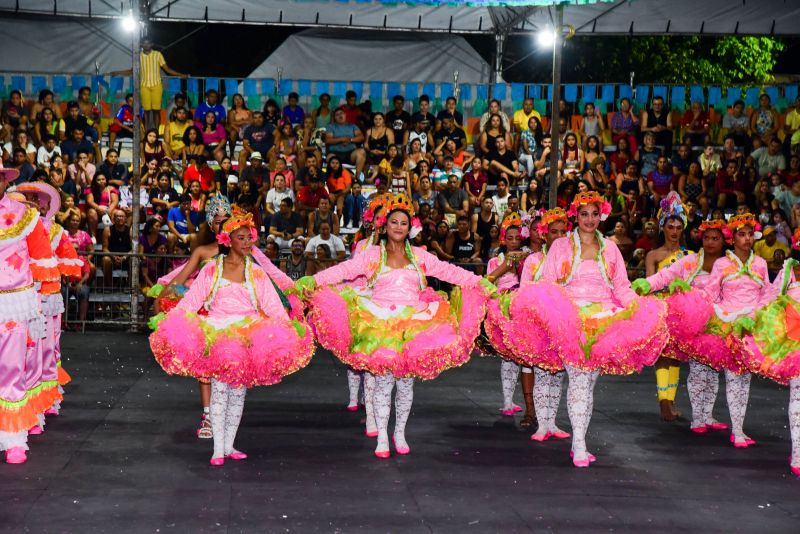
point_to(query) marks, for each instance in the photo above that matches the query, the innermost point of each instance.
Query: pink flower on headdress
(368, 215)
(525, 232)
(224, 238)
(380, 222)
(542, 229)
(572, 211)
(605, 210)
(415, 222)
(253, 234)
(726, 233)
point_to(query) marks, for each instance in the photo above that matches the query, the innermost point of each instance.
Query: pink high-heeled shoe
(742, 444)
(236, 455)
(589, 456)
(560, 434)
(216, 462)
(541, 437)
(16, 455)
(51, 411)
(383, 455)
(700, 429)
(352, 408)
(509, 412)
(373, 434)
(35, 430)
(581, 463)
(795, 470)
(716, 425)
(400, 450)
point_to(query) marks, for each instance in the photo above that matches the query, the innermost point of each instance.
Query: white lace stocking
(737, 391)
(554, 398)
(794, 419)
(403, 400)
(541, 400)
(509, 373)
(580, 403)
(382, 400)
(353, 384)
(369, 393)
(218, 409)
(702, 385)
(233, 416)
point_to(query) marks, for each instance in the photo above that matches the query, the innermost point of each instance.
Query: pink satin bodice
(588, 285)
(399, 287)
(232, 299)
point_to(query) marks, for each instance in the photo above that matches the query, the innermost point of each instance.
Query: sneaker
(204, 431)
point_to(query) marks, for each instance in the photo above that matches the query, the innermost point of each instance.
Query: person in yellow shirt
(767, 246)
(791, 129)
(523, 116)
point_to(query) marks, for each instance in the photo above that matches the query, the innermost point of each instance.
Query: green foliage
(659, 59)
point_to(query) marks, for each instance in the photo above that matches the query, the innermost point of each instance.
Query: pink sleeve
(268, 299)
(619, 275)
(492, 265)
(713, 287)
(201, 287)
(661, 279)
(555, 257)
(278, 276)
(767, 293)
(347, 270)
(446, 272)
(771, 292)
(170, 276)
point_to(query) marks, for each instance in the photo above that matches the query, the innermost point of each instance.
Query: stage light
(546, 38)
(129, 24)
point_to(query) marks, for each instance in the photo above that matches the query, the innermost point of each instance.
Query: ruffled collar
(602, 265)
(248, 283)
(378, 269)
(742, 269)
(788, 270)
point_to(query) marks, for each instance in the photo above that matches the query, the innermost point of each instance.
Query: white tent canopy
(713, 17)
(371, 55)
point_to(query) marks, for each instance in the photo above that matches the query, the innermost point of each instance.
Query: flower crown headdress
(377, 202)
(586, 198)
(740, 221)
(549, 217)
(671, 206)
(722, 226)
(217, 205)
(238, 219)
(512, 219)
(796, 239)
(399, 202)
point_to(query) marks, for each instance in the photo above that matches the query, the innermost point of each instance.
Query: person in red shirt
(649, 237)
(199, 170)
(729, 181)
(696, 123)
(351, 110)
(309, 195)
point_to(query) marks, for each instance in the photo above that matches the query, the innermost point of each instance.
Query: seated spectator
(174, 133)
(122, 126)
(323, 214)
(450, 131)
(20, 162)
(464, 246)
(231, 189)
(320, 259)
(731, 153)
(163, 197)
(180, 100)
(531, 199)
(149, 174)
(276, 194)
(84, 246)
(378, 140)
(696, 125)
(631, 185)
(522, 117)
(199, 170)
(354, 206)
(621, 238)
(13, 115)
(116, 172)
(450, 110)
(211, 105)
(152, 270)
(239, 118)
(197, 201)
(420, 132)
(426, 194)
(439, 241)
(293, 113)
(572, 157)
(660, 181)
(182, 221)
(76, 143)
(792, 174)
(82, 171)
(256, 172)
(503, 164)
(46, 124)
(343, 140)
(214, 135)
(46, 152)
(295, 265)
(285, 225)
(453, 201)
(787, 199)
(494, 109)
(422, 170)
(475, 181)
(416, 155)
(271, 113)
(325, 237)
(648, 154)
(769, 159)
(624, 124)
(764, 121)
(67, 127)
(339, 180)
(423, 116)
(151, 237)
(192, 145)
(541, 160)
(768, 244)
(384, 167)
(692, 187)
(272, 252)
(493, 130)
(441, 173)
(285, 144)
(737, 123)
(730, 183)
(649, 238)
(91, 112)
(619, 211)
(658, 121)
(352, 112)
(308, 142)
(309, 196)
(151, 148)
(116, 238)
(101, 200)
(399, 120)
(500, 198)
(782, 229)
(710, 162)
(20, 141)
(311, 170)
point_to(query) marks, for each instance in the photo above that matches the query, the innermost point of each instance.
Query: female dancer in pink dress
(772, 348)
(25, 258)
(737, 286)
(689, 312)
(611, 330)
(404, 330)
(247, 339)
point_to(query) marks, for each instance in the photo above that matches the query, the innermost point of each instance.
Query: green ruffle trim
(488, 287)
(154, 320)
(155, 291)
(770, 331)
(718, 327)
(306, 283)
(16, 405)
(604, 323)
(505, 304)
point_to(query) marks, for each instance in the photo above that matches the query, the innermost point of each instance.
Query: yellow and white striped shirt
(151, 68)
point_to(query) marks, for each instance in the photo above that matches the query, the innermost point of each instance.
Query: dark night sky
(226, 50)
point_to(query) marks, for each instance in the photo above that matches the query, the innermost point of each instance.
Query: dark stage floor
(122, 457)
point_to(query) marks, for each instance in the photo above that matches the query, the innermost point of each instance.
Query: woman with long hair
(487, 142)
(46, 124)
(239, 118)
(192, 144)
(572, 156)
(151, 147)
(378, 139)
(214, 136)
(101, 199)
(404, 329)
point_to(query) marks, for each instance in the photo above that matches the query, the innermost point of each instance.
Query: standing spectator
(591, 123)
(258, 137)
(116, 238)
(764, 121)
(164, 197)
(82, 171)
(325, 237)
(46, 152)
(322, 115)
(101, 201)
(46, 124)
(174, 133)
(285, 226)
(354, 205)
(494, 109)
(453, 200)
(210, 105)
(737, 123)
(399, 120)
(343, 140)
(768, 159)
(199, 170)
(239, 118)
(624, 124)
(295, 265)
(293, 113)
(522, 117)
(696, 125)
(13, 114)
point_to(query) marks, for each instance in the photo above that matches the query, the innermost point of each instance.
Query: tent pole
(555, 151)
(499, 51)
(135, 179)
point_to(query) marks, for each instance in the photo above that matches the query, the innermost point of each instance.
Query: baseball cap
(233, 179)
(257, 155)
(767, 230)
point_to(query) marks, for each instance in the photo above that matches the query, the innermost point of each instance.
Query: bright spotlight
(129, 23)
(546, 38)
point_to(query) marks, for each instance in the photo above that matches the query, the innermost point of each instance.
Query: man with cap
(309, 195)
(25, 258)
(768, 244)
(50, 374)
(257, 172)
(231, 192)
